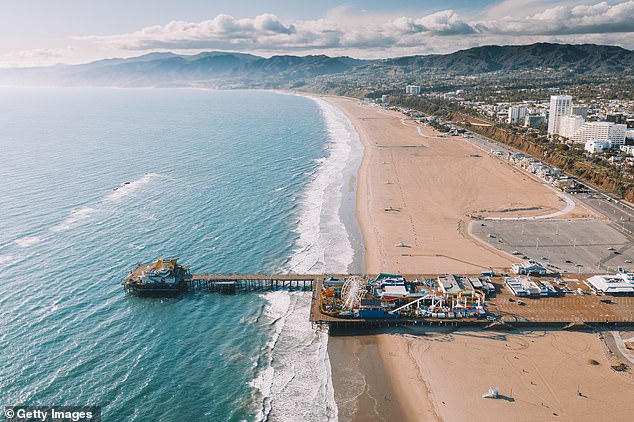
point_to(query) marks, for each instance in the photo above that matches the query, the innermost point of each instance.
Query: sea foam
(324, 244)
(296, 359)
(129, 188)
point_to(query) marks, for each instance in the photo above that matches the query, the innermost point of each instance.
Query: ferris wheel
(352, 291)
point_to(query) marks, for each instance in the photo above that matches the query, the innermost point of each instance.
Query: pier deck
(232, 283)
(557, 312)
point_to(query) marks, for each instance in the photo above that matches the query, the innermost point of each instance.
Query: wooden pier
(567, 312)
(235, 283)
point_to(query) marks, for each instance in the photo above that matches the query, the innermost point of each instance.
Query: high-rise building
(568, 125)
(579, 110)
(517, 114)
(412, 89)
(601, 131)
(560, 105)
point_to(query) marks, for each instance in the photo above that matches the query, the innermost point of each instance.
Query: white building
(522, 286)
(618, 283)
(560, 105)
(412, 89)
(569, 125)
(534, 120)
(517, 114)
(594, 146)
(628, 149)
(602, 131)
(528, 268)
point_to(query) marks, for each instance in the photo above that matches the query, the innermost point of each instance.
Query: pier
(236, 283)
(358, 301)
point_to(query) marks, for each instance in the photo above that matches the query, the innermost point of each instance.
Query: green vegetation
(570, 158)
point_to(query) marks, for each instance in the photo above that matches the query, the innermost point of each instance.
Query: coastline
(328, 240)
(412, 374)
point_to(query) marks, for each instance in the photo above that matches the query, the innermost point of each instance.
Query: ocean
(95, 180)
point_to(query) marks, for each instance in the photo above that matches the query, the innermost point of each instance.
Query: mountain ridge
(166, 68)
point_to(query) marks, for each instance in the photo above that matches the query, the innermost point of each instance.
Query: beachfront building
(525, 287)
(482, 283)
(569, 125)
(454, 284)
(515, 286)
(522, 286)
(516, 114)
(412, 89)
(622, 283)
(602, 131)
(534, 121)
(529, 268)
(594, 146)
(560, 105)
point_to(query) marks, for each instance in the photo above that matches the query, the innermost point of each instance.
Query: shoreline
(347, 211)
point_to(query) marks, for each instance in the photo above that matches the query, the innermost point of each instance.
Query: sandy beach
(415, 194)
(429, 185)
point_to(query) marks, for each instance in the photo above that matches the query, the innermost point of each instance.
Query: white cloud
(35, 57)
(597, 18)
(267, 32)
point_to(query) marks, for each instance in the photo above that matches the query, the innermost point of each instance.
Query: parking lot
(568, 246)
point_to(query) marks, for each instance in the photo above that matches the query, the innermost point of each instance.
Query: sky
(45, 32)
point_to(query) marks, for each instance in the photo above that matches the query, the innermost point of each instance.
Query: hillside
(579, 58)
(220, 69)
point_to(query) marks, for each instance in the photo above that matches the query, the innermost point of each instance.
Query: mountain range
(224, 69)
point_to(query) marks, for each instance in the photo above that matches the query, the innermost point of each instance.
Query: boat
(164, 277)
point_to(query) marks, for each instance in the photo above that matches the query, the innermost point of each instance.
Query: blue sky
(71, 31)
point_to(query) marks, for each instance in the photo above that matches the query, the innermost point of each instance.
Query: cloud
(597, 18)
(342, 31)
(34, 57)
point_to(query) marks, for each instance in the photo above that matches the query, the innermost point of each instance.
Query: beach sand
(541, 375)
(430, 185)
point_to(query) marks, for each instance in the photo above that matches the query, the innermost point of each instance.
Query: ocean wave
(74, 217)
(77, 216)
(6, 260)
(280, 379)
(276, 309)
(128, 188)
(323, 244)
(27, 241)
